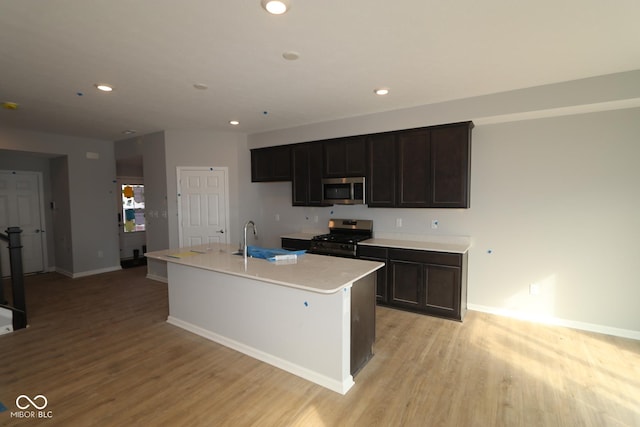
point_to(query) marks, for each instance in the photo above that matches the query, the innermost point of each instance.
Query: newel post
(17, 278)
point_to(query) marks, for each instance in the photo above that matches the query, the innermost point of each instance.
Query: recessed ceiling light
(381, 91)
(234, 122)
(104, 87)
(128, 132)
(275, 7)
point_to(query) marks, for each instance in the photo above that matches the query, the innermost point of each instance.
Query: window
(133, 207)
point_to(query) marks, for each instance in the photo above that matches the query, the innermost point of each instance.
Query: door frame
(136, 180)
(225, 170)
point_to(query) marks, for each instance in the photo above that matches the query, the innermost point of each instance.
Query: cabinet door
(345, 157)
(356, 156)
(306, 160)
(334, 162)
(379, 254)
(315, 174)
(413, 169)
(450, 165)
(300, 168)
(271, 164)
(381, 170)
(442, 293)
(381, 280)
(406, 284)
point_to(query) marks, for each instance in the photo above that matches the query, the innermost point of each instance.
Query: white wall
(213, 149)
(92, 186)
(62, 214)
(16, 160)
(554, 199)
(155, 177)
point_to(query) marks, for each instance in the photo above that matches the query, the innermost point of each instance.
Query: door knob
(221, 231)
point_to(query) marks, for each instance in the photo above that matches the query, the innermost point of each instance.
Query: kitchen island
(314, 317)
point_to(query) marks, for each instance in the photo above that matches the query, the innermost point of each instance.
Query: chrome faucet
(255, 233)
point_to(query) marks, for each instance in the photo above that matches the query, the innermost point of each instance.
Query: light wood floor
(100, 351)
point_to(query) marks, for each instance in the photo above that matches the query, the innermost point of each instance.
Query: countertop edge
(421, 245)
(299, 236)
(417, 245)
(165, 255)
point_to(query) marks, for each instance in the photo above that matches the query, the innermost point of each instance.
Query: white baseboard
(157, 278)
(63, 272)
(302, 372)
(583, 326)
(87, 273)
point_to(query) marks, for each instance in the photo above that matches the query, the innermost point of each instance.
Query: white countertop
(315, 273)
(300, 236)
(421, 245)
(453, 244)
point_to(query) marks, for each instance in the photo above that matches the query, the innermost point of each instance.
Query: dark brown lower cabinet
(294, 244)
(406, 278)
(442, 296)
(379, 254)
(428, 282)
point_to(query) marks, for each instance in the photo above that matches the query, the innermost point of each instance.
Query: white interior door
(203, 205)
(21, 206)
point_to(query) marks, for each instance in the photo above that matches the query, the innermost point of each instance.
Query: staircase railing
(19, 306)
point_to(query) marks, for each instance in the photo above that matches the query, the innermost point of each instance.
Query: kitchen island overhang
(296, 316)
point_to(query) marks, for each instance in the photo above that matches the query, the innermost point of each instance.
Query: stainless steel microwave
(343, 191)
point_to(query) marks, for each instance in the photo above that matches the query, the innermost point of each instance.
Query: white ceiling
(154, 51)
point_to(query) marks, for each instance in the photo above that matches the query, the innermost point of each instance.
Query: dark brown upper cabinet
(344, 157)
(416, 168)
(420, 168)
(451, 165)
(380, 183)
(271, 164)
(306, 162)
(414, 189)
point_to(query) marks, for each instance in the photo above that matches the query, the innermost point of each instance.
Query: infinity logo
(31, 402)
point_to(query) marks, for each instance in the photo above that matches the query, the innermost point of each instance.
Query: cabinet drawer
(372, 251)
(426, 257)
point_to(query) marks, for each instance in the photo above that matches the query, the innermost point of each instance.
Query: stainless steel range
(343, 237)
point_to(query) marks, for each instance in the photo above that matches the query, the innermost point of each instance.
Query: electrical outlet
(398, 222)
(100, 254)
(434, 224)
(277, 217)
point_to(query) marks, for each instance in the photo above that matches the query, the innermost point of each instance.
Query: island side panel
(363, 321)
(305, 333)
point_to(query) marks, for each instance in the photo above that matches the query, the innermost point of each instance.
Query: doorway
(22, 205)
(131, 221)
(203, 205)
